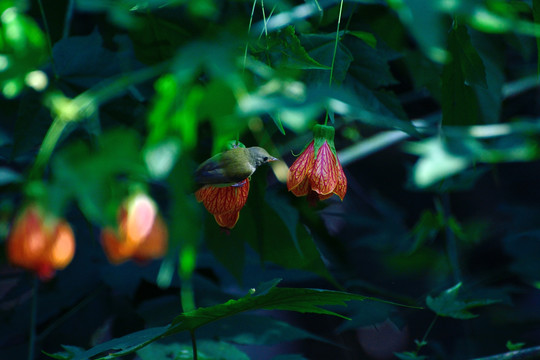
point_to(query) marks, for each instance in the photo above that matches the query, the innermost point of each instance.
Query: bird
(231, 167)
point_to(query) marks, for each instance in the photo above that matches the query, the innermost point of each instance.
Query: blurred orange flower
(40, 242)
(225, 202)
(141, 234)
(317, 172)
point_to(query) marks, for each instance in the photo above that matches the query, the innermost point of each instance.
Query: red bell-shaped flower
(317, 172)
(141, 234)
(225, 202)
(40, 242)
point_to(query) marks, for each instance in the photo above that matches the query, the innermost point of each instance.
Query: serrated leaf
(289, 299)
(447, 304)
(206, 350)
(291, 54)
(321, 48)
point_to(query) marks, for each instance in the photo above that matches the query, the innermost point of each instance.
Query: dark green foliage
(434, 110)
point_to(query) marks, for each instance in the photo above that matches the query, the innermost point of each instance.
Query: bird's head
(259, 156)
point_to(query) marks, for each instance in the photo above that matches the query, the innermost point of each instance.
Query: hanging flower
(225, 202)
(141, 234)
(317, 172)
(40, 242)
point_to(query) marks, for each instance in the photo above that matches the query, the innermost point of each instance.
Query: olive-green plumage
(232, 166)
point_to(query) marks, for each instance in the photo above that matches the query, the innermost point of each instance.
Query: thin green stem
(194, 344)
(334, 54)
(451, 243)
(33, 319)
(426, 334)
(249, 30)
(47, 31)
(67, 19)
(187, 297)
(336, 43)
(47, 147)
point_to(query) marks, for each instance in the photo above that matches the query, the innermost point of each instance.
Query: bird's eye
(265, 159)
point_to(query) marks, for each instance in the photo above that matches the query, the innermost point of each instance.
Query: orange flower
(317, 172)
(40, 242)
(141, 234)
(224, 203)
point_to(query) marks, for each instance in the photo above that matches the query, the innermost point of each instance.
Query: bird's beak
(272, 159)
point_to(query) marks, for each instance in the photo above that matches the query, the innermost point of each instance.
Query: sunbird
(232, 166)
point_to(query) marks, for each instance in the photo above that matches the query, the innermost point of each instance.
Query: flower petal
(228, 220)
(62, 248)
(341, 188)
(117, 251)
(221, 200)
(302, 189)
(141, 212)
(155, 244)
(324, 176)
(301, 168)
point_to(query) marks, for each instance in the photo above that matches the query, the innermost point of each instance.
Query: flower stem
(33, 319)
(451, 244)
(187, 296)
(194, 344)
(47, 31)
(423, 342)
(334, 55)
(47, 147)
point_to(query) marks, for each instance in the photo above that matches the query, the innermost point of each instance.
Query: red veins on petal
(221, 200)
(224, 203)
(301, 168)
(341, 188)
(228, 220)
(324, 176)
(302, 189)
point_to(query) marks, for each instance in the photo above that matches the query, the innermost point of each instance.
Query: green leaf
(22, 48)
(250, 329)
(436, 162)
(365, 36)
(514, 346)
(447, 304)
(464, 71)
(84, 61)
(321, 48)
(290, 299)
(206, 350)
(426, 23)
(286, 51)
(175, 112)
(536, 16)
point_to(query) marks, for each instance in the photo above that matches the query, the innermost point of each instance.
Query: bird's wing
(212, 171)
